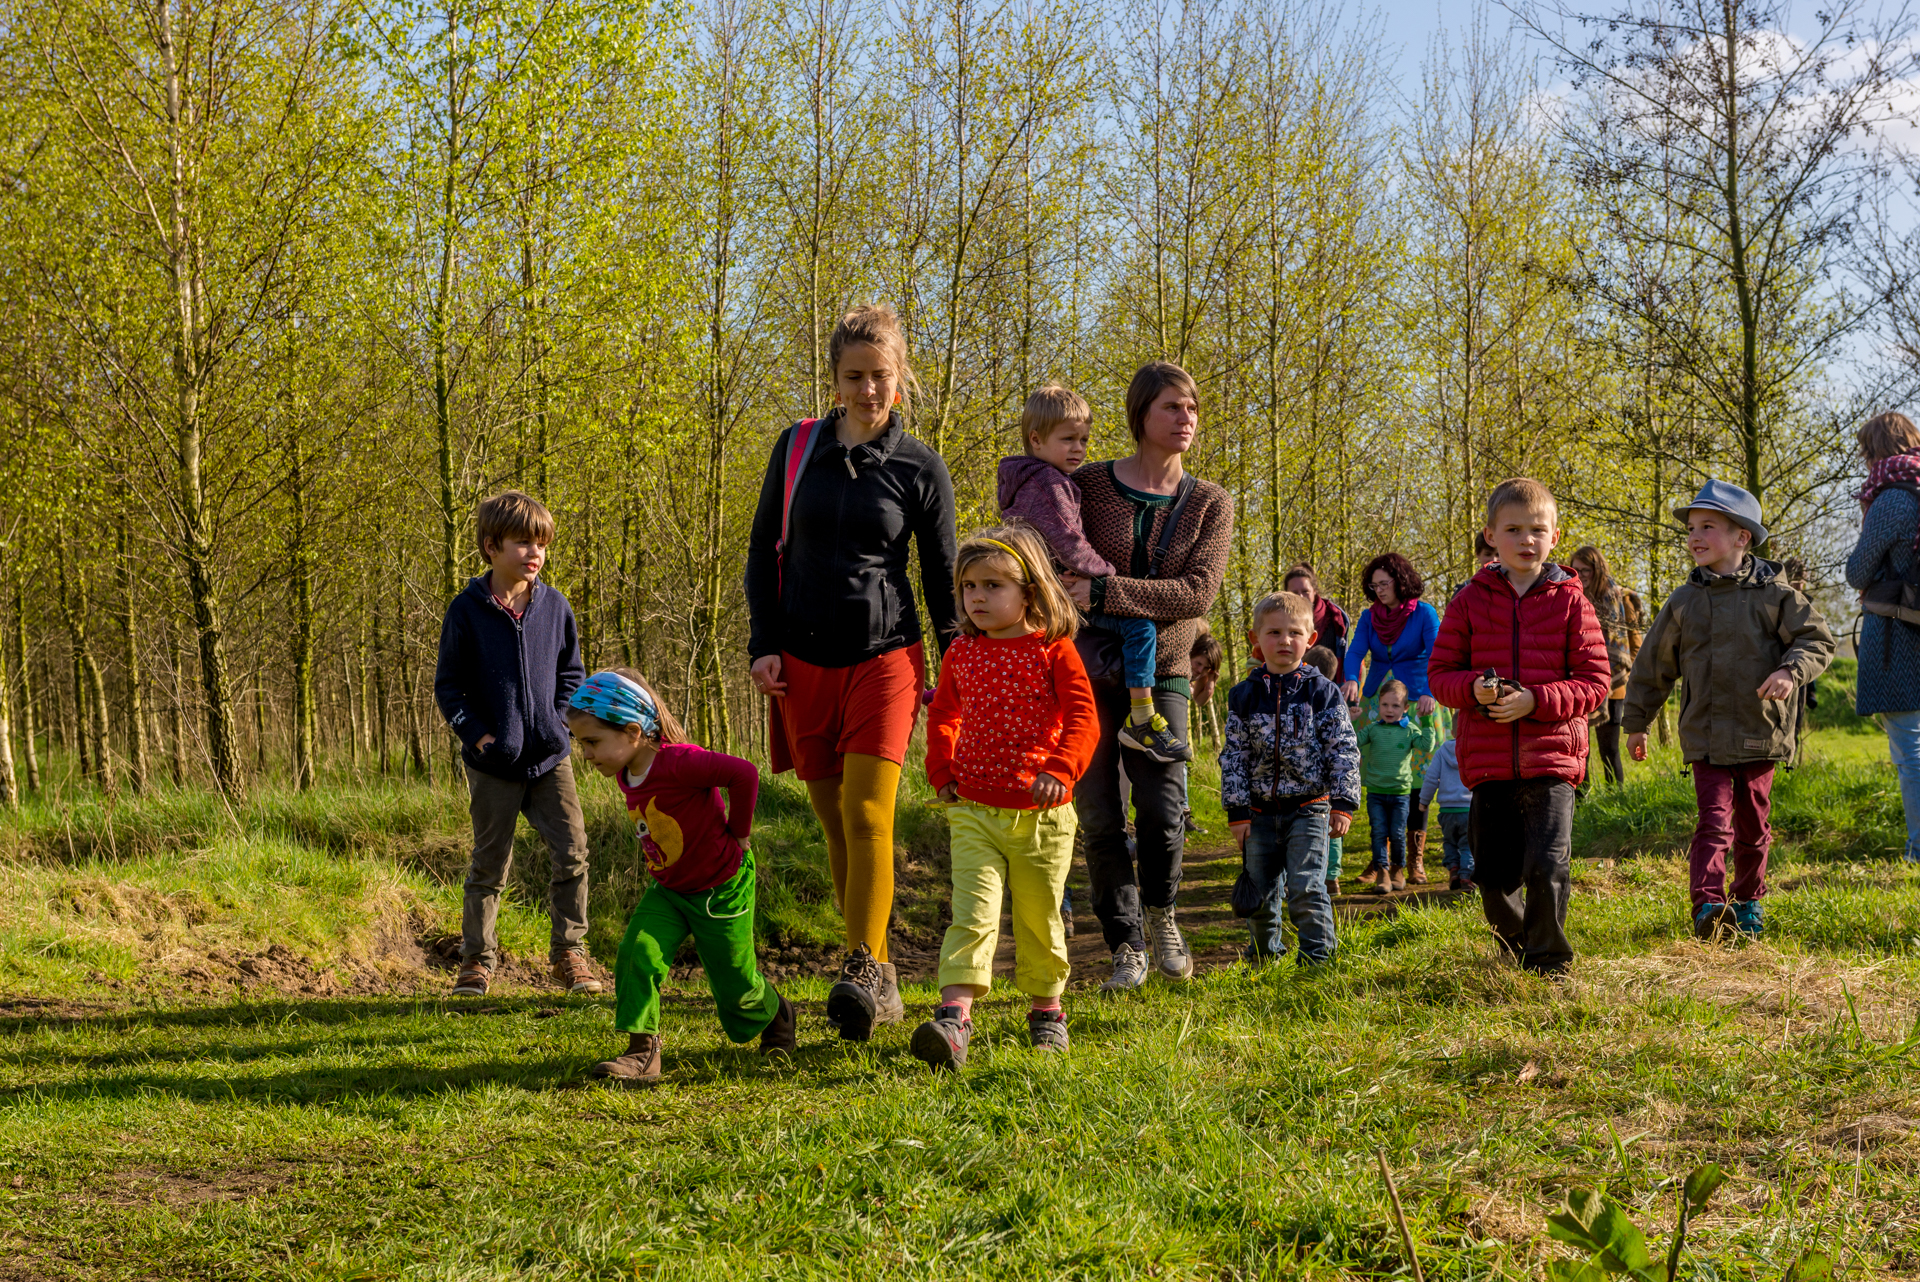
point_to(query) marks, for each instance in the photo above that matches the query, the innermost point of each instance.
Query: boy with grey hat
(1746, 641)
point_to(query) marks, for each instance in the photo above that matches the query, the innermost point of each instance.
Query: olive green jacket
(1724, 635)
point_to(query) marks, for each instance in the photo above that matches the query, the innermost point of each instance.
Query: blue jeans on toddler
(1286, 857)
(1387, 824)
(1903, 744)
(1456, 852)
(1139, 646)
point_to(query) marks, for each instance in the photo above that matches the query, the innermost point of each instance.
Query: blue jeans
(1139, 646)
(1903, 743)
(1286, 856)
(1387, 822)
(1456, 851)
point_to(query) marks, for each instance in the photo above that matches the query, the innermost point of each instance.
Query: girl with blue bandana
(703, 874)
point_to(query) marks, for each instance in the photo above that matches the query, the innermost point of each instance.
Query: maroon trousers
(1734, 801)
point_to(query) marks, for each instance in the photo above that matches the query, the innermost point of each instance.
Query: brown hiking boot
(781, 1035)
(573, 972)
(472, 980)
(867, 993)
(640, 1066)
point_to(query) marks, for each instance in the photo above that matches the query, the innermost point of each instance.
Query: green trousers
(721, 923)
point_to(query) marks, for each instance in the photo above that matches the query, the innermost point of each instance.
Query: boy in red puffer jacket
(1521, 654)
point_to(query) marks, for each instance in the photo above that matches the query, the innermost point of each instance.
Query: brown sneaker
(472, 980)
(1400, 879)
(572, 971)
(781, 1035)
(640, 1066)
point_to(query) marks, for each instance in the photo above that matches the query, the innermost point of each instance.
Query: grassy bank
(1228, 1128)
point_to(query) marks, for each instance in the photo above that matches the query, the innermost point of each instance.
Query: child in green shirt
(1392, 750)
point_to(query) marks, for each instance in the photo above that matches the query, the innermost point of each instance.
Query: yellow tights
(855, 809)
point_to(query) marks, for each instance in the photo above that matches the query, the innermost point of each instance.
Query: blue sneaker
(1712, 919)
(1749, 918)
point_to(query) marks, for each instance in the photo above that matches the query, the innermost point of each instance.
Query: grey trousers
(553, 808)
(1124, 880)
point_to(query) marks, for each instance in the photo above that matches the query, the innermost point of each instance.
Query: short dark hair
(507, 515)
(1481, 548)
(1154, 378)
(1301, 570)
(1324, 659)
(1407, 584)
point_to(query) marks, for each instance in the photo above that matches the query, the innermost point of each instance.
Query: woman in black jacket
(836, 641)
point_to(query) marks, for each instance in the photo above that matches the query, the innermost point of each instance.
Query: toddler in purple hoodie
(1038, 487)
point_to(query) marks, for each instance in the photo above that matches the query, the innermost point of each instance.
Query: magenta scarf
(1901, 469)
(1388, 620)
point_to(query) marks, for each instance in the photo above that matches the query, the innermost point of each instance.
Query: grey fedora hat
(1724, 496)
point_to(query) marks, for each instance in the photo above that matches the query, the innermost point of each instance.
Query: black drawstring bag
(1246, 896)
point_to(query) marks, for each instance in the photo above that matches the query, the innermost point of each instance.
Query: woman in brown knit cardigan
(1124, 507)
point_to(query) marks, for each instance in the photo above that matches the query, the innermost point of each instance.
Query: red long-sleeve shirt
(1006, 711)
(692, 842)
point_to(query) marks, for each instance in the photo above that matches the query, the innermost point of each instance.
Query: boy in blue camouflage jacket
(1290, 779)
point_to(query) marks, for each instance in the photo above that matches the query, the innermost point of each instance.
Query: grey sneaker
(868, 993)
(941, 1042)
(1155, 738)
(1129, 969)
(1169, 948)
(1047, 1030)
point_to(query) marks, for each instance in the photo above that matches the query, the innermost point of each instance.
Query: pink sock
(1046, 1003)
(963, 1000)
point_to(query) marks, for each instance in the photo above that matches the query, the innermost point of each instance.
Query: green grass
(1225, 1129)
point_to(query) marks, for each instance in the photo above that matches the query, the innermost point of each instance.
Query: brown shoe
(472, 980)
(572, 971)
(781, 1035)
(1400, 879)
(640, 1066)
(1417, 858)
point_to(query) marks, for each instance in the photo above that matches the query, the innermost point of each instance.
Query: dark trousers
(1521, 832)
(553, 808)
(1124, 883)
(1607, 738)
(1734, 804)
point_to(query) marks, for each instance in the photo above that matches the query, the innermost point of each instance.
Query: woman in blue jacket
(1395, 637)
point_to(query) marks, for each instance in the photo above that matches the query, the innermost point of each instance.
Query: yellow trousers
(855, 809)
(1027, 852)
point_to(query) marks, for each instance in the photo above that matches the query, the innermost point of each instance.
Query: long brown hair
(1600, 587)
(1049, 609)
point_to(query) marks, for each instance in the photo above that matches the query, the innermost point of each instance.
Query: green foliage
(1597, 1225)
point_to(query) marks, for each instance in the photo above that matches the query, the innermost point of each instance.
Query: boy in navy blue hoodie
(509, 662)
(1290, 779)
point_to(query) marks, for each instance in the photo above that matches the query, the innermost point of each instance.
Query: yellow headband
(1015, 553)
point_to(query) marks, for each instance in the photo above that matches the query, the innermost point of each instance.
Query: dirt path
(1206, 917)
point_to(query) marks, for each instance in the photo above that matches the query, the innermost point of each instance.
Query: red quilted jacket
(1550, 642)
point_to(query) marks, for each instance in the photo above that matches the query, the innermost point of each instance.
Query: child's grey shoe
(1169, 947)
(639, 1066)
(1129, 969)
(941, 1042)
(1157, 739)
(867, 993)
(1047, 1029)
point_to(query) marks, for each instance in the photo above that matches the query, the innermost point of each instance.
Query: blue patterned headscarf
(617, 701)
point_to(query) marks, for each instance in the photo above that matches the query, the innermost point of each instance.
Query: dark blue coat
(509, 678)
(1889, 650)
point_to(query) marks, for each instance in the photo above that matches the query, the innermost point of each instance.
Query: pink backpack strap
(799, 449)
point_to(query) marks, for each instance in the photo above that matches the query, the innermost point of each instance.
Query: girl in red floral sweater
(1012, 728)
